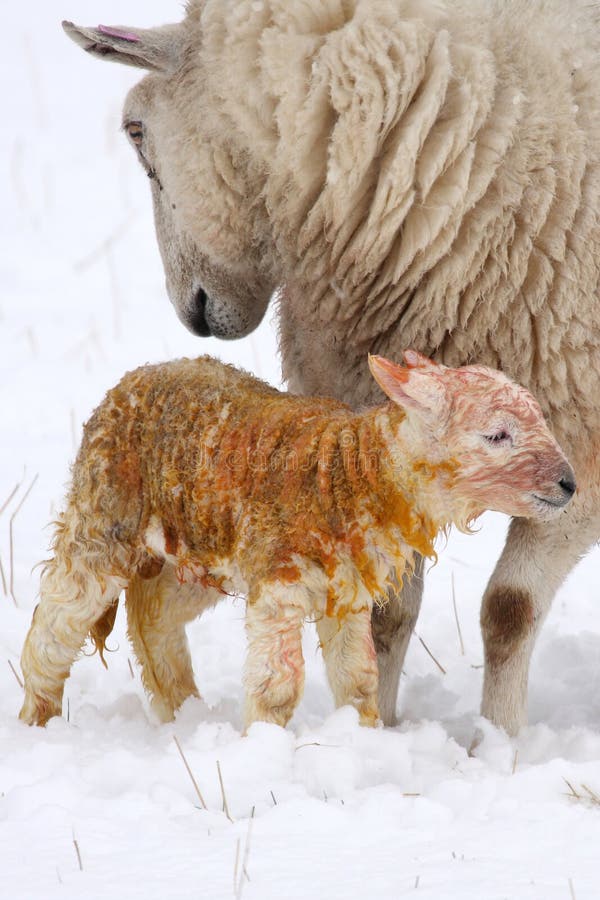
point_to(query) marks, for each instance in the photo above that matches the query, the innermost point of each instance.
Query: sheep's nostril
(196, 318)
(568, 485)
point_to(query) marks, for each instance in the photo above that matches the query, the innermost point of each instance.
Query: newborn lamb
(195, 480)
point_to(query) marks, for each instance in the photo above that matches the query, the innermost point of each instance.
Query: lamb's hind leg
(536, 559)
(157, 611)
(76, 594)
(274, 676)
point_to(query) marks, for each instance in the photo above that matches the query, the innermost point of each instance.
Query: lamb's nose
(567, 482)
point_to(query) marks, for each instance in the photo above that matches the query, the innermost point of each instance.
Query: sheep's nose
(196, 318)
(567, 482)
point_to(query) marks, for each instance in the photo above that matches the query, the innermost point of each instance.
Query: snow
(339, 811)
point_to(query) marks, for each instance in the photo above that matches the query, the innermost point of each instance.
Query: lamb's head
(482, 433)
(208, 214)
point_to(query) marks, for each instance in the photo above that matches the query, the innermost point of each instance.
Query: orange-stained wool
(235, 469)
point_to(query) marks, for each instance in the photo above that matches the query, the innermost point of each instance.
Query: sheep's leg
(393, 623)
(157, 612)
(274, 675)
(536, 559)
(351, 661)
(74, 597)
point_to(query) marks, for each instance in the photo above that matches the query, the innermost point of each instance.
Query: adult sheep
(406, 173)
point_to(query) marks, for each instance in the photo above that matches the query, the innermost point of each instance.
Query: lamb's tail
(101, 629)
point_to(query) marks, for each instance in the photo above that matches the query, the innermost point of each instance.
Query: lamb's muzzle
(567, 483)
(195, 480)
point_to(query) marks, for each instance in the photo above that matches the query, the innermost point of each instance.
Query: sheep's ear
(416, 360)
(156, 49)
(420, 389)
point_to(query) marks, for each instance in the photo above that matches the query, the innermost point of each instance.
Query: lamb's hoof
(39, 710)
(163, 711)
(370, 718)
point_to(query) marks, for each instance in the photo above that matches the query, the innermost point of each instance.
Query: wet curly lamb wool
(194, 480)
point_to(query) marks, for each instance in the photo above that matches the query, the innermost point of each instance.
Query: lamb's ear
(416, 360)
(420, 389)
(156, 49)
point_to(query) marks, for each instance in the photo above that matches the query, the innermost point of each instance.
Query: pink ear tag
(117, 33)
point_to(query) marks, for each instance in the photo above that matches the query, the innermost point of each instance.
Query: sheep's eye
(135, 132)
(499, 437)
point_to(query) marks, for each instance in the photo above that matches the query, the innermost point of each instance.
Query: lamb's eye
(498, 437)
(135, 132)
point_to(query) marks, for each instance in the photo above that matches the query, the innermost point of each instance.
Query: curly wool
(430, 173)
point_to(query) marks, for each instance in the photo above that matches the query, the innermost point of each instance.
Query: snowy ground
(339, 811)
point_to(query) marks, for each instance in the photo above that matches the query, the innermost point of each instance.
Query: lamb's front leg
(274, 675)
(536, 559)
(350, 659)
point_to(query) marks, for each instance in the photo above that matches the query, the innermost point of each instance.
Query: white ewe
(406, 172)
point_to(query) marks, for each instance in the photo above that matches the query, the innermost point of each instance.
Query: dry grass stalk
(244, 874)
(235, 867)
(592, 795)
(417, 879)
(130, 668)
(16, 674)
(11, 537)
(572, 889)
(76, 845)
(588, 796)
(317, 744)
(438, 664)
(514, 767)
(3, 579)
(460, 637)
(190, 773)
(225, 806)
(10, 496)
(273, 797)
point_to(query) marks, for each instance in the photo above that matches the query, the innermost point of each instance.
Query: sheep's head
(208, 215)
(492, 431)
